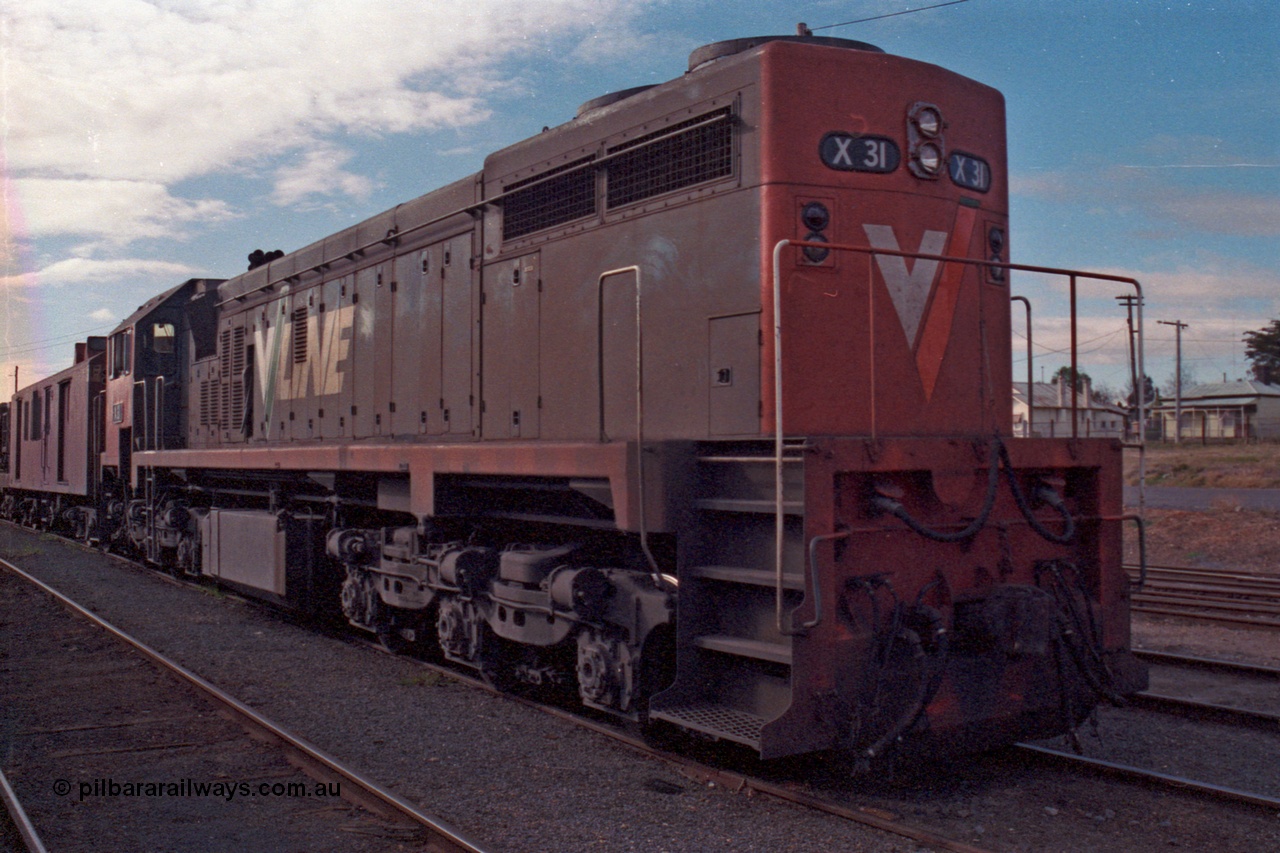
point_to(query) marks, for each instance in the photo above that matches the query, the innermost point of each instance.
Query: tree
(1170, 386)
(1262, 348)
(1105, 394)
(1150, 395)
(1063, 376)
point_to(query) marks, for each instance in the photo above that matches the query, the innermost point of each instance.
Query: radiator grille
(299, 335)
(232, 360)
(208, 403)
(671, 159)
(558, 196)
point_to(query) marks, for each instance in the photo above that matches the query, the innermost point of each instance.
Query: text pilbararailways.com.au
(226, 790)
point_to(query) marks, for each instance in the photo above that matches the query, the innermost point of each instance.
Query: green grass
(1218, 466)
(424, 679)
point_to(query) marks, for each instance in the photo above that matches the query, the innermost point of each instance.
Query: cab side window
(162, 338)
(122, 352)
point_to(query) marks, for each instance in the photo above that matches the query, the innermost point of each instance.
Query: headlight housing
(926, 144)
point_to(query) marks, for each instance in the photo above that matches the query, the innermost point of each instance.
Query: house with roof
(1239, 410)
(1049, 413)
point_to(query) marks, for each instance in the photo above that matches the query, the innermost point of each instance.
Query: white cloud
(113, 210)
(157, 92)
(91, 271)
(109, 103)
(1210, 287)
(103, 315)
(319, 173)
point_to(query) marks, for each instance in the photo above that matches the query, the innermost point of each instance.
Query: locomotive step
(718, 720)
(749, 505)
(733, 460)
(754, 577)
(756, 649)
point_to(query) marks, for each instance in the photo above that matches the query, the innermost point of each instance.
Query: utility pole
(1138, 392)
(1178, 326)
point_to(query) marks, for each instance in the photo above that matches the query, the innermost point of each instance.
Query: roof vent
(721, 49)
(611, 98)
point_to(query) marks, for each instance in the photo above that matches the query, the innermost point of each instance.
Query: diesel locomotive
(697, 405)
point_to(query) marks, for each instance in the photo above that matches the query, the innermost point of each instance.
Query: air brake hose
(896, 509)
(1047, 495)
(999, 454)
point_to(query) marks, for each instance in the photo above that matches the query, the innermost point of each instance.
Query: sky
(145, 142)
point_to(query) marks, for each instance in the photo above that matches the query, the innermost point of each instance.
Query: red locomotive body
(588, 418)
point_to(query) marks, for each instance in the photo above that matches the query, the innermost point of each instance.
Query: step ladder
(733, 664)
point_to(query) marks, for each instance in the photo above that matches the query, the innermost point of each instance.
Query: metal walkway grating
(729, 723)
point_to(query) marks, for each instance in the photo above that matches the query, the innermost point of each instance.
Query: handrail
(644, 527)
(1026, 303)
(157, 437)
(779, 518)
(140, 436)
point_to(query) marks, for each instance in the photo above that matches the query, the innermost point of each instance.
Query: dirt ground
(1224, 537)
(1239, 466)
(1219, 538)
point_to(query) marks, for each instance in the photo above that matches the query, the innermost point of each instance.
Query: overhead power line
(890, 15)
(51, 343)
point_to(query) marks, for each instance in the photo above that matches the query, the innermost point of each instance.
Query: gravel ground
(517, 779)
(85, 718)
(512, 778)
(1188, 637)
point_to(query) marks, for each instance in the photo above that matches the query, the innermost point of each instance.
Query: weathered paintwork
(507, 416)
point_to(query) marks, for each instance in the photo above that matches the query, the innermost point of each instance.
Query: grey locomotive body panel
(423, 323)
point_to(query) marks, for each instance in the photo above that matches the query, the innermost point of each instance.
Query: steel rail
(376, 798)
(1175, 598)
(687, 766)
(1202, 616)
(1233, 597)
(1211, 711)
(1128, 771)
(1215, 573)
(27, 829)
(1207, 711)
(1193, 661)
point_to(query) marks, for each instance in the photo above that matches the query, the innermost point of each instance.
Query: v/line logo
(323, 367)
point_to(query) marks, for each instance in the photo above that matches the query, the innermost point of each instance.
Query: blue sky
(148, 142)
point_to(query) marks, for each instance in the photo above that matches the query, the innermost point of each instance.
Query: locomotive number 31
(847, 152)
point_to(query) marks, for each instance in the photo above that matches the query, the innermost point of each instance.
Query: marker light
(925, 140)
(813, 254)
(929, 122)
(815, 216)
(929, 158)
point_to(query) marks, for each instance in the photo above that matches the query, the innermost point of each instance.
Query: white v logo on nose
(909, 288)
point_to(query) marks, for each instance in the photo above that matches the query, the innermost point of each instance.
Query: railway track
(1151, 777)
(872, 812)
(1234, 597)
(19, 832)
(1202, 689)
(689, 768)
(1213, 690)
(104, 675)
